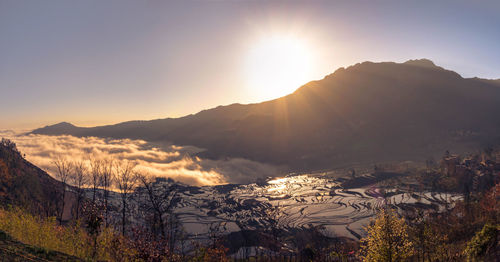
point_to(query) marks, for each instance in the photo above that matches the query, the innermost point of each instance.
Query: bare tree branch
(126, 181)
(79, 178)
(64, 169)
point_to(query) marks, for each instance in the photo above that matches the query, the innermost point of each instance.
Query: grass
(42, 237)
(12, 250)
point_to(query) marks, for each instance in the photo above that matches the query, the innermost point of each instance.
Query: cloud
(164, 160)
(4, 133)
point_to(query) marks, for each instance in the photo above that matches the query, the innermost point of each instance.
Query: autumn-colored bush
(388, 238)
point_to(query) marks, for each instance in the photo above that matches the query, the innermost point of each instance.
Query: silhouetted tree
(9, 144)
(79, 179)
(274, 216)
(107, 177)
(126, 181)
(95, 175)
(161, 198)
(63, 171)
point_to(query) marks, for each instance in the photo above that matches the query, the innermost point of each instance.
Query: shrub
(482, 243)
(47, 234)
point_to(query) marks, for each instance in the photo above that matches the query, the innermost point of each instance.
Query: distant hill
(25, 185)
(365, 113)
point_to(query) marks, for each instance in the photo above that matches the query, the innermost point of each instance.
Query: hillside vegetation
(466, 229)
(12, 250)
(25, 185)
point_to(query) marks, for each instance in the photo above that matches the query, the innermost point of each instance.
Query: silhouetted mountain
(368, 112)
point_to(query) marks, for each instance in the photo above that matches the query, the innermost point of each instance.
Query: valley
(294, 202)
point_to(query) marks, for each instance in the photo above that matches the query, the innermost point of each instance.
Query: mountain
(24, 185)
(365, 113)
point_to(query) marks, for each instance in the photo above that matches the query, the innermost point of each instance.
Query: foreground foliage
(48, 234)
(12, 250)
(388, 238)
(482, 243)
(462, 230)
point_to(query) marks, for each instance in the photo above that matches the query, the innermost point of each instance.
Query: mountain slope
(12, 250)
(25, 185)
(365, 113)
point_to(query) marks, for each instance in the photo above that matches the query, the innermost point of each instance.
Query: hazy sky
(97, 62)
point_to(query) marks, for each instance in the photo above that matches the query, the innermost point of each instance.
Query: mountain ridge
(368, 111)
(423, 62)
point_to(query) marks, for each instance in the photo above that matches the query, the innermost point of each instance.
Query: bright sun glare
(277, 66)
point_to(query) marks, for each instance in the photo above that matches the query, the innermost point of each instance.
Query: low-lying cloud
(164, 160)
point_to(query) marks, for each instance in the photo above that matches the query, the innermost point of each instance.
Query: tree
(387, 238)
(429, 244)
(95, 175)
(93, 222)
(64, 169)
(483, 244)
(126, 181)
(490, 205)
(274, 217)
(79, 179)
(161, 199)
(107, 176)
(9, 144)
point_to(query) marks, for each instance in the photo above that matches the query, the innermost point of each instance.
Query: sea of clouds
(164, 160)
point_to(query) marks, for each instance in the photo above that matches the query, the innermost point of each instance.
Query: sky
(99, 62)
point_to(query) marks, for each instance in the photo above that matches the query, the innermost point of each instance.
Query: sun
(277, 66)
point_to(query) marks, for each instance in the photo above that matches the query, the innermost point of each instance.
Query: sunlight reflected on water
(296, 184)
